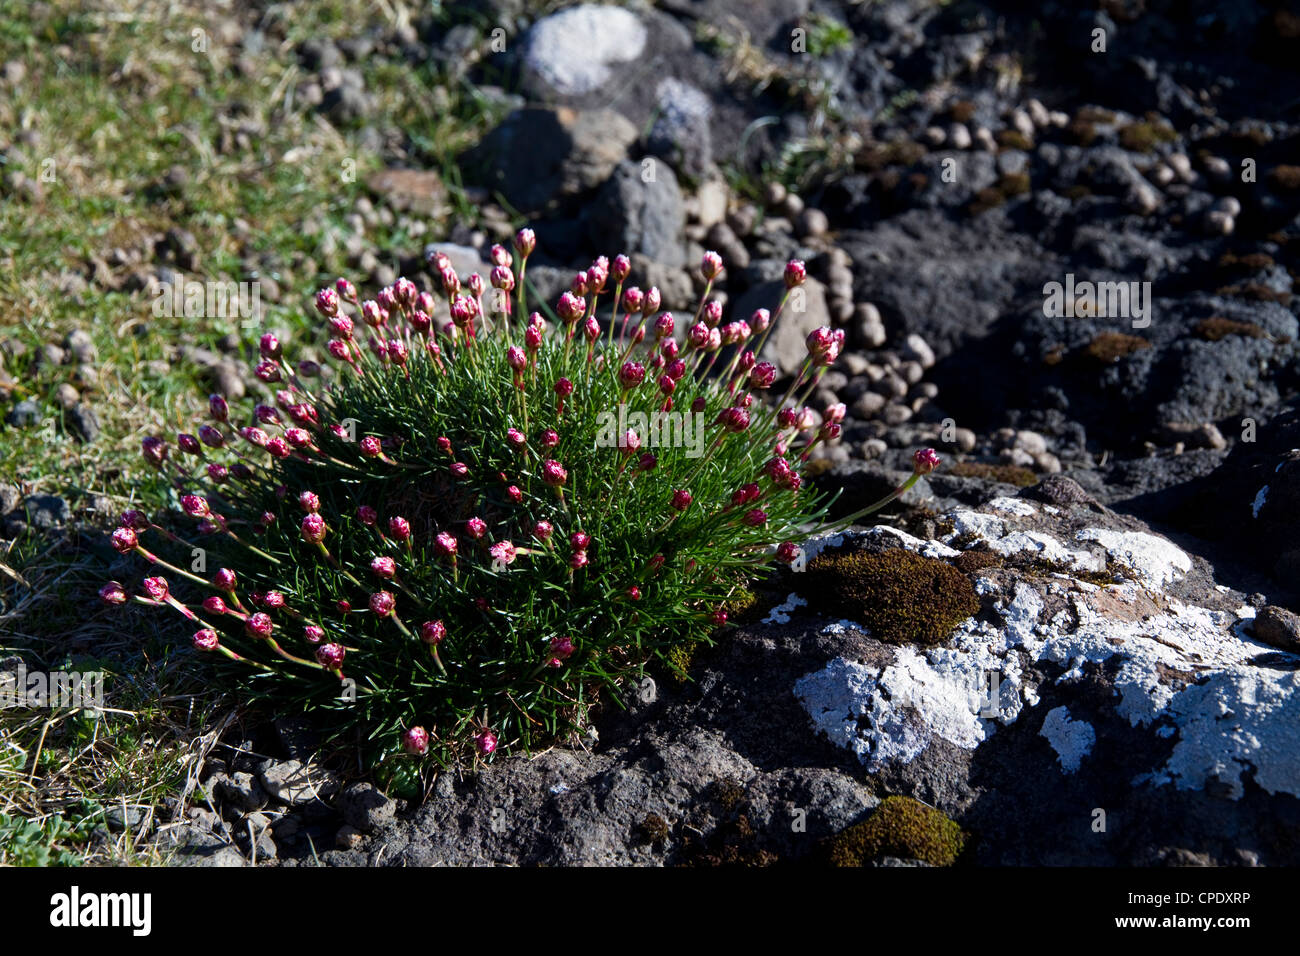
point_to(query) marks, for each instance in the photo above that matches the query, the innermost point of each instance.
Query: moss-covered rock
(1007, 474)
(902, 597)
(1217, 327)
(1110, 347)
(900, 827)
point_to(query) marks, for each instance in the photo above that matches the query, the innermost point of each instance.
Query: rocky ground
(1120, 492)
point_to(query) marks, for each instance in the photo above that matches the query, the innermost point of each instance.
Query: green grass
(115, 97)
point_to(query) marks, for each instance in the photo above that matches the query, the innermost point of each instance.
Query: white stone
(575, 50)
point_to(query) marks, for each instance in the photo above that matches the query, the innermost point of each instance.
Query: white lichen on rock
(1071, 739)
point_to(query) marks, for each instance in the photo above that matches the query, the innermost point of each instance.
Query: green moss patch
(900, 827)
(902, 597)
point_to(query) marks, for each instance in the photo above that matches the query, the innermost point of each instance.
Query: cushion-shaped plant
(472, 520)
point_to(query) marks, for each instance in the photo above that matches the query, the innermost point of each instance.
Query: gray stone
(640, 210)
(84, 423)
(241, 792)
(366, 808)
(1279, 627)
(46, 512)
(785, 347)
(294, 783)
(25, 414)
(575, 51)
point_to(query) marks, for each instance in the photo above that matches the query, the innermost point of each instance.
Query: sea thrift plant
(438, 537)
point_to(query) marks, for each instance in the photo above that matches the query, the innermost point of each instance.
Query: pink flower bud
(485, 742)
(399, 528)
(415, 741)
(476, 527)
(514, 494)
(554, 473)
(463, 311)
(564, 388)
(629, 442)
(313, 528)
(925, 461)
(515, 438)
(719, 618)
(760, 320)
(155, 588)
(218, 408)
(327, 302)
(734, 419)
(571, 308)
(124, 541)
(330, 656)
(591, 329)
(224, 580)
(383, 567)
(697, 406)
(134, 519)
(346, 289)
(712, 314)
(516, 358)
(205, 639)
(188, 444)
(433, 632)
(762, 375)
(633, 299)
(397, 352)
(367, 515)
(214, 605)
(682, 499)
(267, 371)
(195, 506)
(382, 603)
(525, 242)
(795, 273)
(444, 444)
(112, 593)
(830, 431)
(278, 447)
(502, 278)
(371, 446)
(561, 647)
(342, 327)
(711, 265)
(445, 545)
(533, 338)
(458, 469)
(578, 560)
(648, 462)
(580, 540)
(313, 633)
(698, 335)
(309, 501)
(543, 530)
(620, 268)
(631, 375)
(787, 552)
(269, 346)
(154, 450)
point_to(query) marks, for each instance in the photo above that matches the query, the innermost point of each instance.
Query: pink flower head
(502, 278)
(514, 494)
(578, 560)
(830, 431)
(571, 308)
(711, 265)
(124, 541)
(309, 501)
(342, 327)
(367, 515)
(339, 350)
(579, 284)
(515, 438)
(196, 506)
(421, 319)
(787, 552)
(820, 341)
(795, 273)
(313, 633)
(254, 436)
(278, 447)
(371, 446)
(327, 302)
(444, 444)
(476, 287)
(404, 292)
(269, 346)
(745, 494)
(633, 299)
(112, 593)
(755, 518)
(564, 388)
(384, 567)
(664, 325)
(503, 551)
(498, 255)
(224, 580)
(415, 741)
(445, 545)
(719, 617)
(516, 358)
(762, 375)
(777, 468)
(747, 359)
(205, 639)
(734, 419)
(698, 404)
(485, 742)
(433, 632)
(648, 462)
(463, 311)
(620, 268)
(330, 656)
(267, 371)
(134, 519)
(382, 603)
(188, 444)
(533, 337)
(218, 408)
(631, 375)
(554, 473)
(313, 528)
(713, 314)
(925, 461)
(372, 313)
(591, 329)
(561, 647)
(397, 352)
(154, 450)
(458, 469)
(525, 242)
(214, 605)
(698, 335)
(580, 540)
(787, 417)
(760, 320)
(682, 499)
(259, 625)
(297, 437)
(543, 530)
(629, 442)
(399, 528)
(387, 299)
(476, 527)
(634, 593)
(346, 289)
(550, 438)
(652, 301)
